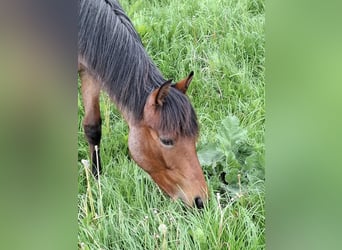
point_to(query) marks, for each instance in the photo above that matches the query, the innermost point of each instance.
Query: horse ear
(183, 85)
(162, 92)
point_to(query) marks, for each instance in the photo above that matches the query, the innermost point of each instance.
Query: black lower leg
(93, 134)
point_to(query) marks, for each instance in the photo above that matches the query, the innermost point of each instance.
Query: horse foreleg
(92, 119)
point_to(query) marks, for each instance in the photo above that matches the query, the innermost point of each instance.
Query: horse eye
(166, 142)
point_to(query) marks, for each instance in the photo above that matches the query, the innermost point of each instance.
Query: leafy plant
(231, 159)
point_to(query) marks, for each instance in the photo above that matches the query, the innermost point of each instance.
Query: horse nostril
(199, 202)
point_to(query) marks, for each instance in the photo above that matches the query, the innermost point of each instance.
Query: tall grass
(222, 41)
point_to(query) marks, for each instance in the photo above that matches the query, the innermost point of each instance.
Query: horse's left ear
(162, 92)
(183, 85)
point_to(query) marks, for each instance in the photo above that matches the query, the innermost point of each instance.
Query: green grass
(222, 41)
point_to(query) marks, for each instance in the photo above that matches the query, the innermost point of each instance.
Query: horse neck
(113, 51)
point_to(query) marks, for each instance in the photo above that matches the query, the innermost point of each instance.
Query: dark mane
(112, 50)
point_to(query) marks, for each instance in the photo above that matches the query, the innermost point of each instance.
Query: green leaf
(232, 176)
(209, 155)
(231, 134)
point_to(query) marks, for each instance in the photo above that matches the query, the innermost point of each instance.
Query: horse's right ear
(183, 85)
(161, 93)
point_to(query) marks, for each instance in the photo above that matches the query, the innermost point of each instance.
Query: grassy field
(222, 41)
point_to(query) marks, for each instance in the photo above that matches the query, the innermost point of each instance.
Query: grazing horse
(163, 126)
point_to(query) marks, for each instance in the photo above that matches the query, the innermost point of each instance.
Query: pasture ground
(223, 43)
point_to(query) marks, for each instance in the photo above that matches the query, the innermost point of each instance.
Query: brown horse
(163, 126)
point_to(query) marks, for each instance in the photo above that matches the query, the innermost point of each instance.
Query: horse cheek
(138, 146)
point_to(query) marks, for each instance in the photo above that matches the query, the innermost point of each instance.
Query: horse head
(163, 143)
